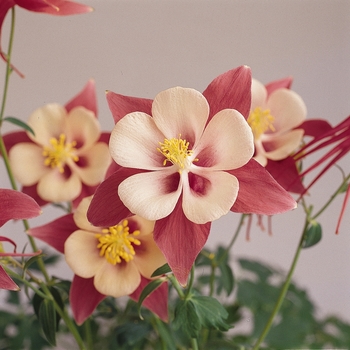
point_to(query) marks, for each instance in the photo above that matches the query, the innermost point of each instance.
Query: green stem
(284, 289)
(177, 286)
(194, 344)
(88, 334)
(8, 65)
(190, 283)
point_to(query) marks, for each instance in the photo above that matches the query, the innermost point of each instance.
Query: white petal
(134, 142)
(281, 146)
(288, 109)
(259, 95)
(55, 187)
(82, 254)
(209, 195)
(27, 163)
(152, 195)
(80, 217)
(117, 280)
(181, 111)
(47, 122)
(227, 142)
(92, 164)
(82, 127)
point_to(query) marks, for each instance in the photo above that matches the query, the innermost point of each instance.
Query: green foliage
(19, 123)
(313, 235)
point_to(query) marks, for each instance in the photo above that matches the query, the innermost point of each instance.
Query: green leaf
(186, 318)
(210, 312)
(161, 270)
(31, 261)
(313, 235)
(19, 123)
(47, 319)
(263, 272)
(226, 278)
(146, 292)
(129, 334)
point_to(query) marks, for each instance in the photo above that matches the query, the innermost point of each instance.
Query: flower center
(58, 152)
(260, 121)
(116, 243)
(175, 151)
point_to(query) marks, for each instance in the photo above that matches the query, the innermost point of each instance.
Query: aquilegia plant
(137, 206)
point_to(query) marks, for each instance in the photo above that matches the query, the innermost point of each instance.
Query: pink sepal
(284, 83)
(6, 281)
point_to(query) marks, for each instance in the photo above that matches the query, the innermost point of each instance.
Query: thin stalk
(284, 289)
(194, 344)
(88, 334)
(177, 286)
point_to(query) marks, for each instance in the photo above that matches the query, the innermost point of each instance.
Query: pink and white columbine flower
(107, 261)
(68, 156)
(52, 7)
(14, 205)
(184, 161)
(275, 113)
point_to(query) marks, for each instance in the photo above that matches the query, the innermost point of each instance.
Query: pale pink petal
(231, 89)
(82, 254)
(27, 162)
(134, 142)
(56, 232)
(157, 301)
(85, 98)
(56, 187)
(82, 127)
(181, 113)
(227, 142)
(117, 280)
(152, 195)
(47, 122)
(6, 281)
(259, 94)
(121, 105)
(288, 109)
(148, 256)
(82, 308)
(208, 195)
(281, 146)
(180, 240)
(92, 164)
(80, 217)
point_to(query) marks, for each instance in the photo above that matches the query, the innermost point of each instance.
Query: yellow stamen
(175, 151)
(58, 153)
(260, 121)
(116, 243)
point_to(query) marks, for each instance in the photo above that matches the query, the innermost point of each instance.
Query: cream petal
(55, 187)
(152, 195)
(117, 280)
(145, 226)
(227, 142)
(80, 217)
(134, 142)
(82, 255)
(181, 111)
(47, 122)
(288, 109)
(92, 164)
(82, 127)
(27, 163)
(281, 146)
(148, 256)
(209, 195)
(259, 94)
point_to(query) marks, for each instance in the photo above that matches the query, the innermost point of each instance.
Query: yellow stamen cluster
(116, 243)
(260, 121)
(175, 151)
(58, 152)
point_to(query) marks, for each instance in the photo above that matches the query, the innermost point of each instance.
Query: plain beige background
(142, 47)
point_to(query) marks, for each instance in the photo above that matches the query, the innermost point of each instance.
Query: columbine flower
(68, 156)
(339, 136)
(185, 161)
(52, 7)
(114, 261)
(14, 205)
(275, 113)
